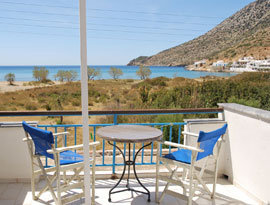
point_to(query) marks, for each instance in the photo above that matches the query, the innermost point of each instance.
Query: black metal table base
(128, 163)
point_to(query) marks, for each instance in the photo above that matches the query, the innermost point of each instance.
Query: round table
(129, 134)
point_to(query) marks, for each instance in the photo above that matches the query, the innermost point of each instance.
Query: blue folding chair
(187, 157)
(41, 144)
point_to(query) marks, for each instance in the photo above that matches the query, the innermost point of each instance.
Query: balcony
(243, 170)
(20, 193)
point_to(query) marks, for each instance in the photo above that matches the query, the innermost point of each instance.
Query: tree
(10, 77)
(115, 72)
(92, 73)
(60, 75)
(40, 74)
(143, 72)
(69, 75)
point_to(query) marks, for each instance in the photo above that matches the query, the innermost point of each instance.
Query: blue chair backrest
(42, 139)
(208, 141)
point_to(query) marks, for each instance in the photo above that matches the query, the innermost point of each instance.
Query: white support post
(84, 96)
(157, 171)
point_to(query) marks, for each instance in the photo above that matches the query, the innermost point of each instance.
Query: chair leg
(157, 172)
(168, 184)
(33, 186)
(215, 180)
(190, 186)
(30, 149)
(216, 171)
(58, 182)
(48, 181)
(93, 175)
(184, 175)
(65, 177)
(163, 193)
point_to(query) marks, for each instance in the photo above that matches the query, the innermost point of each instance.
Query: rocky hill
(244, 33)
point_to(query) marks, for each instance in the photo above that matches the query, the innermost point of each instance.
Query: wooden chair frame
(195, 177)
(63, 183)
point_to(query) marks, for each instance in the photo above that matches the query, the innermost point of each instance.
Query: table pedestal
(128, 163)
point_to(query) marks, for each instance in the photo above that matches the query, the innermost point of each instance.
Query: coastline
(209, 69)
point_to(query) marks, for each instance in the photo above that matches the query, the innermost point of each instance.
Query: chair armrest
(26, 139)
(60, 134)
(182, 146)
(221, 140)
(74, 147)
(190, 134)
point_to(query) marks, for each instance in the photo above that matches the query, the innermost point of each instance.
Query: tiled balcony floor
(20, 193)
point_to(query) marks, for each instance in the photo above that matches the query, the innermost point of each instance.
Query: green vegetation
(69, 75)
(92, 73)
(251, 89)
(248, 88)
(40, 74)
(115, 72)
(10, 77)
(143, 72)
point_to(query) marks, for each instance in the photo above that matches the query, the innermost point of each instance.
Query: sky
(38, 32)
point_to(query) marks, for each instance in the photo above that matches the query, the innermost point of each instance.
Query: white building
(220, 63)
(245, 60)
(249, 64)
(200, 63)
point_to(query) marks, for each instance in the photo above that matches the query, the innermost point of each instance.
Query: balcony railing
(115, 113)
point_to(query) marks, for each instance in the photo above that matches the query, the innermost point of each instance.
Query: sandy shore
(207, 68)
(20, 85)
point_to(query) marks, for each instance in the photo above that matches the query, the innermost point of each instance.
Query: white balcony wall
(15, 164)
(248, 165)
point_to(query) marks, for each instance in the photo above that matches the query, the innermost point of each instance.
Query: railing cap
(110, 112)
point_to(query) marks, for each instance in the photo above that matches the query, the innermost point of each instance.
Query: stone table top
(129, 133)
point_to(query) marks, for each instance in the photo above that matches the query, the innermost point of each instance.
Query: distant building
(249, 64)
(200, 63)
(220, 63)
(245, 60)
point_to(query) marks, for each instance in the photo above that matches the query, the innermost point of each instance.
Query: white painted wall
(15, 164)
(248, 147)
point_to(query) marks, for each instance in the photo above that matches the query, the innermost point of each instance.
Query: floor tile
(12, 191)
(17, 194)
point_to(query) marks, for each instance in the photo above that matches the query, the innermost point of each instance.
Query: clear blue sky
(38, 32)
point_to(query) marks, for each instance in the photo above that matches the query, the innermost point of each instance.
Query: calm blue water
(24, 73)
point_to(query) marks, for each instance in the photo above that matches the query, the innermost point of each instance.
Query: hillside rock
(223, 41)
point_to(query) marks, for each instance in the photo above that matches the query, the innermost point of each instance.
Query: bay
(25, 73)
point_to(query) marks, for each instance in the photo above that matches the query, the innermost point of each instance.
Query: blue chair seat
(182, 155)
(69, 157)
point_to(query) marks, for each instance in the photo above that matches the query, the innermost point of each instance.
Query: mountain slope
(251, 21)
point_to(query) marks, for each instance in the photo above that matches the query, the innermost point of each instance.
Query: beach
(22, 85)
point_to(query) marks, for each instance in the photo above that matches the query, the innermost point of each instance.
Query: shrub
(40, 74)
(68, 76)
(47, 107)
(143, 72)
(76, 103)
(115, 72)
(30, 107)
(71, 75)
(92, 73)
(10, 77)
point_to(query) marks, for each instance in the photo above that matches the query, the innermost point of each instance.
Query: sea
(25, 73)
